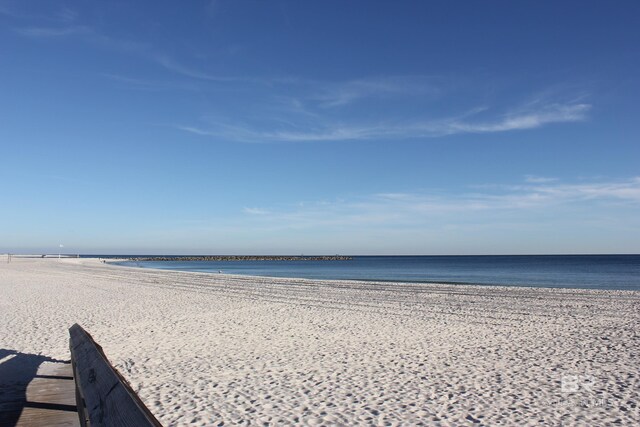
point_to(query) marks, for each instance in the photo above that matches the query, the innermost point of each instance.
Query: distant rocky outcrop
(244, 258)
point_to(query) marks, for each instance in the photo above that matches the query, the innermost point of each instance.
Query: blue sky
(356, 127)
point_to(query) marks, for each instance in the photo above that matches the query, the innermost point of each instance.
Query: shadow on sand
(17, 370)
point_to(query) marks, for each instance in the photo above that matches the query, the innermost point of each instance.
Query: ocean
(619, 272)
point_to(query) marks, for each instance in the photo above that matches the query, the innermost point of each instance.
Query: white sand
(201, 349)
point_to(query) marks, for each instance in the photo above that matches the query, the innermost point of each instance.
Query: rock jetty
(244, 258)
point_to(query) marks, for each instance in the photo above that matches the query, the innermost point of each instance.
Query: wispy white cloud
(546, 114)
(54, 15)
(196, 130)
(87, 34)
(343, 93)
(246, 134)
(255, 211)
(291, 109)
(176, 67)
(53, 32)
(623, 191)
(324, 129)
(415, 208)
(67, 14)
(146, 84)
(538, 179)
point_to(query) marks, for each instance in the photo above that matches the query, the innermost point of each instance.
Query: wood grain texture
(48, 400)
(108, 398)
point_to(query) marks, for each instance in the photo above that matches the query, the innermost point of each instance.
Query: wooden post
(103, 396)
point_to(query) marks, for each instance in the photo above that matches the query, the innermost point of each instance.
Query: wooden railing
(103, 396)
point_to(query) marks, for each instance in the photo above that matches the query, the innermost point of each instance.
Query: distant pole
(60, 251)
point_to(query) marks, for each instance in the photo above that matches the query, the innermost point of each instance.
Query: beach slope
(205, 348)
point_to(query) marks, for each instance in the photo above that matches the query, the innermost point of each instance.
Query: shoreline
(241, 258)
(128, 263)
(204, 347)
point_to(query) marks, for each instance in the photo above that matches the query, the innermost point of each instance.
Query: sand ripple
(206, 349)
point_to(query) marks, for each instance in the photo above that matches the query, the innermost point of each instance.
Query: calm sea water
(555, 271)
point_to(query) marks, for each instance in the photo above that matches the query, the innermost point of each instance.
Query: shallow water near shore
(609, 272)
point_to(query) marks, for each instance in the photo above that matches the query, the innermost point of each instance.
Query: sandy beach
(206, 349)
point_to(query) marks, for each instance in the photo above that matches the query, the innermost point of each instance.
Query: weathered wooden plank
(108, 398)
(50, 398)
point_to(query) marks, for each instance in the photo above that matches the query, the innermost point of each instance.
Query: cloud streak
(176, 67)
(289, 109)
(341, 94)
(416, 209)
(538, 179)
(327, 130)
(53, 32)
(255, 211)
(554, 113)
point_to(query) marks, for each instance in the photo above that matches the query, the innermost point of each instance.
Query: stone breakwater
(244, 258)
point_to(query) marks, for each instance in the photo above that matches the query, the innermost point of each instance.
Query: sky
(319, 127)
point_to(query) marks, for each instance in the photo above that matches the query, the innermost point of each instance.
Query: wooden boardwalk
(37, 390)
(47, 400)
